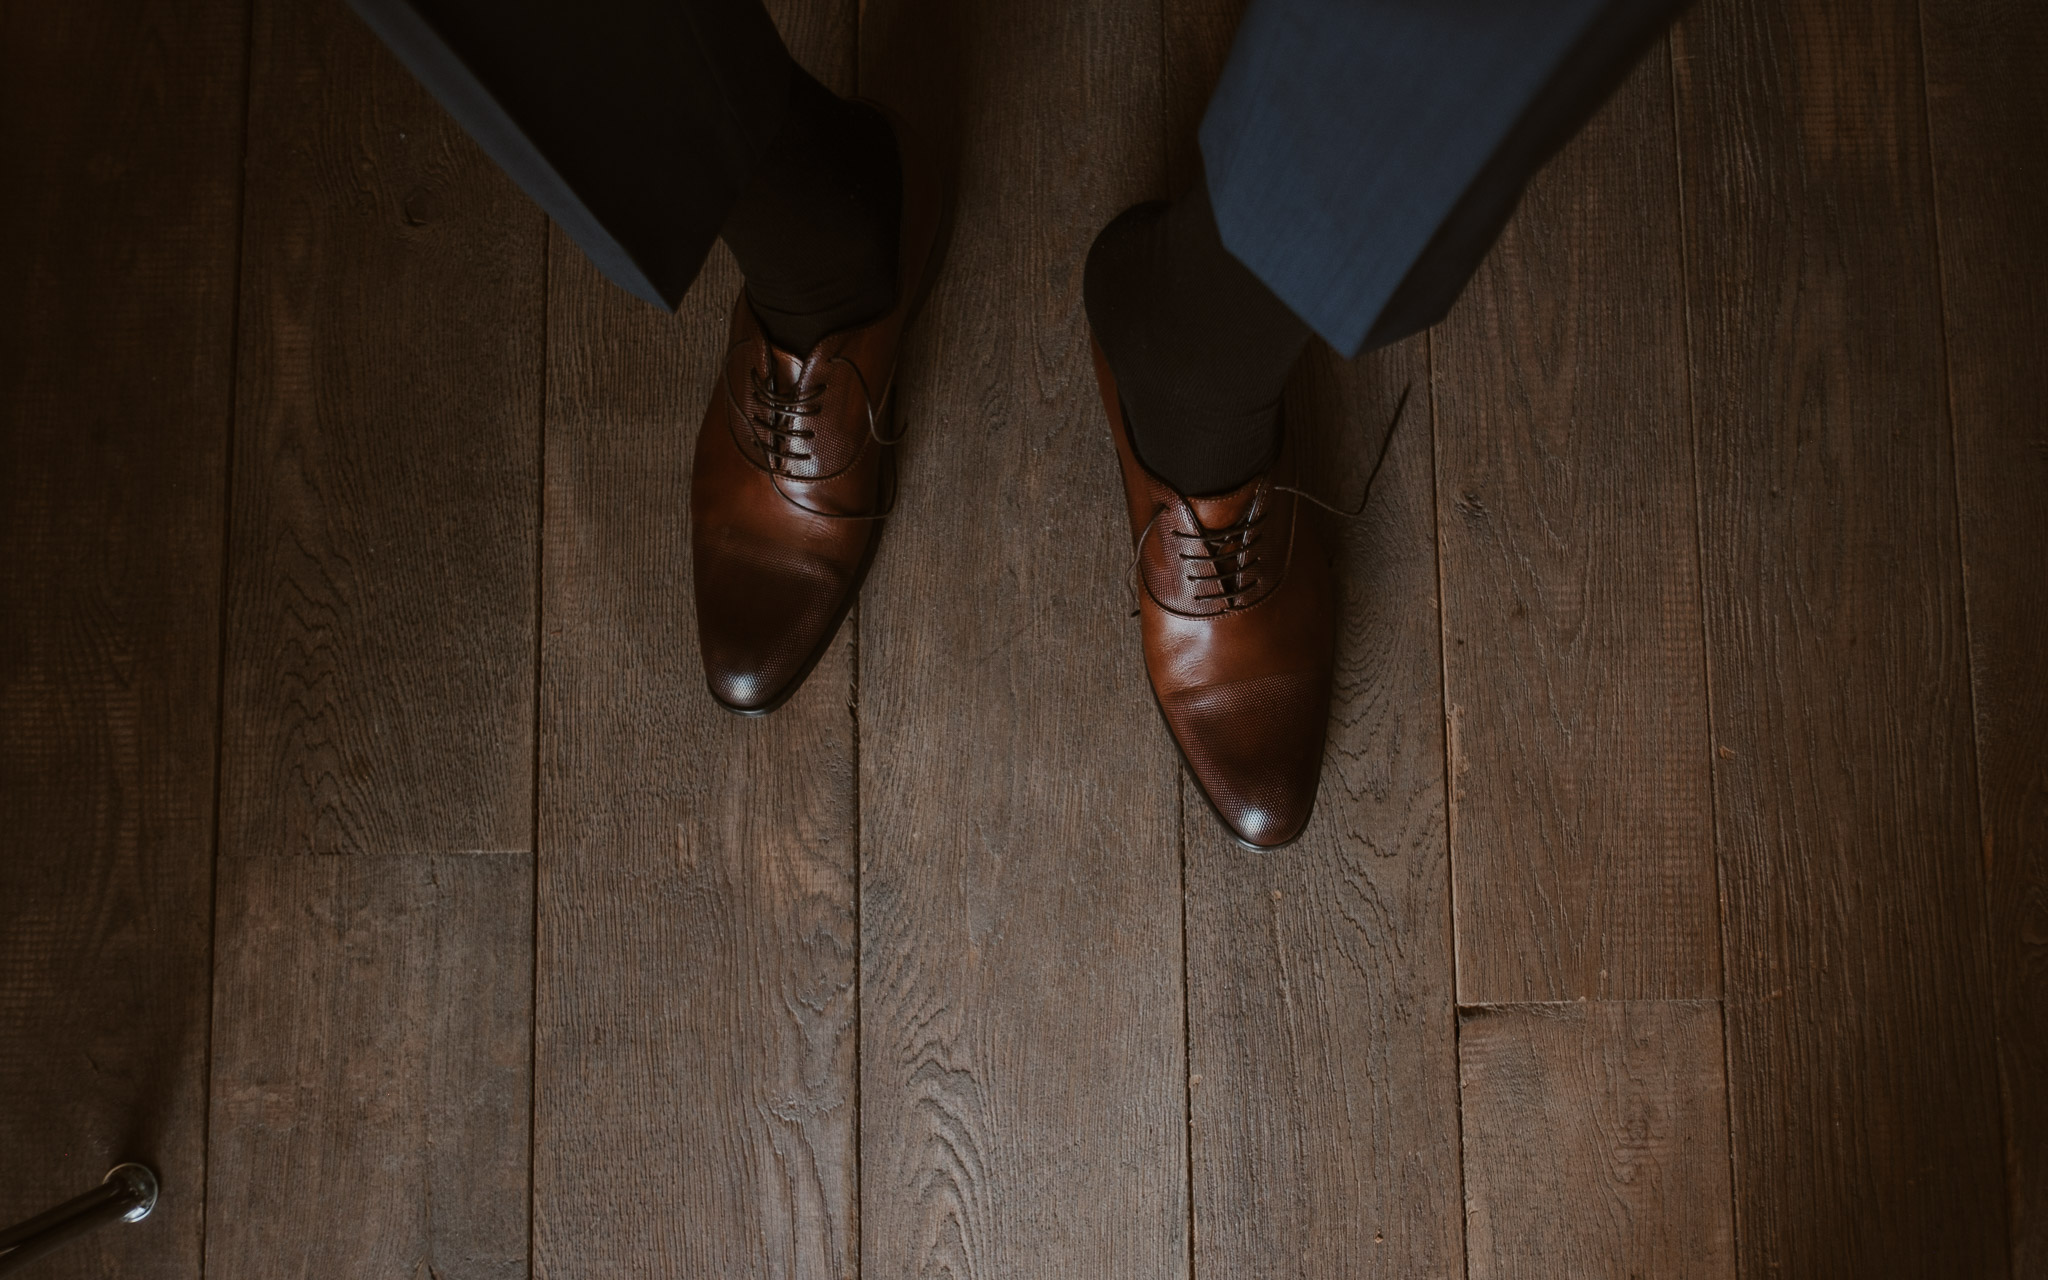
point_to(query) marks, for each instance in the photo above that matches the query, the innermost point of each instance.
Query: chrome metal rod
(127, 1194)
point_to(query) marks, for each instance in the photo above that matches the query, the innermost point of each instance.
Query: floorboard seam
(859, 952)
(1671, 51)
(856, 1242)
(220, 670)
(540, 551)
(1180, 785)
(389, 855)
(1589, 1002)
(1450, 915)
(1187, 1012)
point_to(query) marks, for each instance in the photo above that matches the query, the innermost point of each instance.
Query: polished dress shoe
(795, 475)
(1239, 625)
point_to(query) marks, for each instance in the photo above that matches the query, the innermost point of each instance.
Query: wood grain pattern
(372, 1070)
(371, 1067)
(696, 1031)
(695, 1037)
(737, 1074)
(1862, 1091)
(1324, 1134)
(1022, 1069)
(121, 139)
(1596, 1140)
(1580, 828)
(1988, 113)
(380, 631)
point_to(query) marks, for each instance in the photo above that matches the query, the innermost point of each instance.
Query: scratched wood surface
(1988, 116)
(1673, 904)
(695, 1031)
(1863, 1100)
(1023, 1057)
(1596, 1140)
(121, 138)
(1581, 834)
(379, 673)
(1572, 666)
(372, 1029)
(371, 1067)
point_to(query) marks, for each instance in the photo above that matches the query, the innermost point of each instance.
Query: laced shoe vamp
(794, 476)
(1206, 557)
(810, 419)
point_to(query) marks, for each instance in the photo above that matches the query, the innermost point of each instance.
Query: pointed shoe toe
(1251, 751)
(775, 622)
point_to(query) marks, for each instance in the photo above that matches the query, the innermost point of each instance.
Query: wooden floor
(373, 863)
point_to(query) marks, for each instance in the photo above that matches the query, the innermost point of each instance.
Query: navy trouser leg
(1586, 77)
(634, 124)
(1363, 155)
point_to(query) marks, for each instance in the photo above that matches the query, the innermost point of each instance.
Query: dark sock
(1200, 348)
(815, 228)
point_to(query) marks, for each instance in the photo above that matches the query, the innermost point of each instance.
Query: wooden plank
(696, 1029)
(1581, 835)
(374, 1010)
(372, 1067)
(1323, 1121)
(379, 688)
(121, 138)
(1861, 1083)
(1324, 1105)
(1988, 112)
(1596, 1140)
(1023, 1106)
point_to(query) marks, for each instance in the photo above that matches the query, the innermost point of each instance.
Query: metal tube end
(138, 1188)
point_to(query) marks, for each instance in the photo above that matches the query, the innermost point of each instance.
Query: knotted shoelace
(787, 426)
(1228, 549)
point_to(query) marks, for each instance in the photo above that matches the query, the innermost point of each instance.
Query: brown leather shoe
(1240, 636)
(794, 475)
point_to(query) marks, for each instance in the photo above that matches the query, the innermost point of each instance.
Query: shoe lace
(1227, 552)
(1227, 548)
(786, 426)
(1365, 494)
